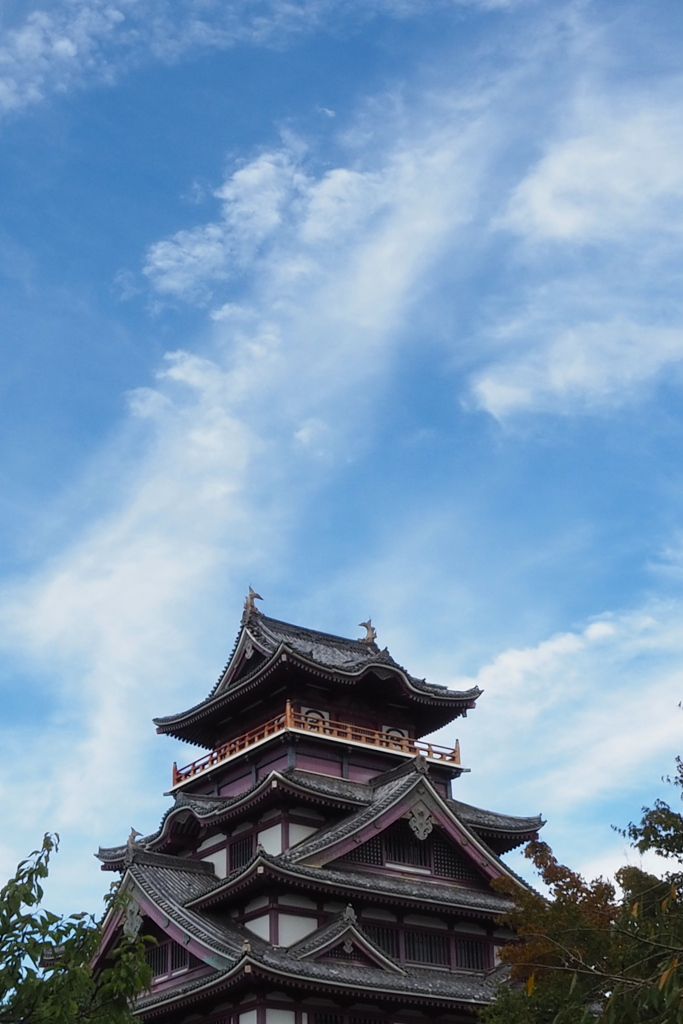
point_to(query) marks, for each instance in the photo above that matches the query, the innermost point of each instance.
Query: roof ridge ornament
(249, 606)
(370, 633)
(131, 846)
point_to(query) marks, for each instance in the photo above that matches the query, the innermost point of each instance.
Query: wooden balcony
(345, 732)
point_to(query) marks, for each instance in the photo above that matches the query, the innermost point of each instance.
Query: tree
(46, 961)
(589, 953)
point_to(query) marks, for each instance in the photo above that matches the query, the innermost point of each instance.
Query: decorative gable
(342, 940)
(398, 846)
(349, 952)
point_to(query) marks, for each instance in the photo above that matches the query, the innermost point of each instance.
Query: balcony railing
(296, 721)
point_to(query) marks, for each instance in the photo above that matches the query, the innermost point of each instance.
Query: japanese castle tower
(314, 867)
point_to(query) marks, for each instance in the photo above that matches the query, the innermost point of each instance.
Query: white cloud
(378, 228)
(617, 170)
(596, 229)
(71, 42)
(577, 723)
(254, 199)
(587, 367)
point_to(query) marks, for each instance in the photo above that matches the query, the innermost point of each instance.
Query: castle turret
(314, 867)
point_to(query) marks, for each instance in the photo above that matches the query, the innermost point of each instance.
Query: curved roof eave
(441, 698)
(468, 902)
(421, 988)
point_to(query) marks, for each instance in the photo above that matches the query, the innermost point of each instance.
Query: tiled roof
(343, 925)
(329, 786)
(170, 889)
(413, 889)
(336, 652)
(212, 808)
(384, 797)
(492, 821)
(339, 655)
(354, 881)
(461, 987)
(370, 797)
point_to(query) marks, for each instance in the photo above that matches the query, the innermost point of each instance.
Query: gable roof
(349, 882)
(505, 831)
(416, 986)
(343, 928)
(340, 658)
(397, 793)
(169, 896)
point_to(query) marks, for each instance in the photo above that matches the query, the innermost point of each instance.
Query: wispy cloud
(615, 169)
(580, 717)
(607, 193)
(71, 42)
(588, 367)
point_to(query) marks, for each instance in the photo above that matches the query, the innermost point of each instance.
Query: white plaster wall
(292, 929)
(259, 926)
(249, 1017)
(274, 1016)
(297, 833)
(271, 839)
(219, 861)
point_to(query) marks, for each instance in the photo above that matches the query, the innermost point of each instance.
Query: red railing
(295, 721)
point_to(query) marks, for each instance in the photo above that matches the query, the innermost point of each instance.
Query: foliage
(588, 953)
(46, 972)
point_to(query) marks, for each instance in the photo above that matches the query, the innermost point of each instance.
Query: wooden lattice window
(328, 1018)
(384, 938)
(157, 960)
(338, 1018)
(398, 846)
(426, 948)
(402, 847)
(169, 957)
(473, 954)
(368, 853)
(449, 863)
(241, 852)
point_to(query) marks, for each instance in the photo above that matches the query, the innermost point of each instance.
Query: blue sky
(375, 306)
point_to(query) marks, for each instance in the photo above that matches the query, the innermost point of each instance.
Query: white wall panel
(260, 926)
(279, 1016)
(297, 833)
(219, 861)
(271, 839)
(292, 929)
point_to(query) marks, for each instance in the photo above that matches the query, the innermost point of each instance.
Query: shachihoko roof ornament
(370, 632)
(249, 606)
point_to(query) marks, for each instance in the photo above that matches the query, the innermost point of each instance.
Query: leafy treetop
(46, 960)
